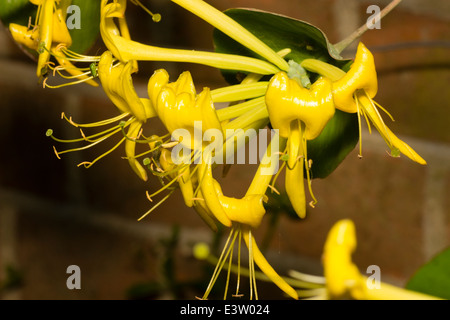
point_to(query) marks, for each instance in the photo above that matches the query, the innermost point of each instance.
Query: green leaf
(434, 277)
(84, 38)
(305, 41)
(337, 140)
(12, 11)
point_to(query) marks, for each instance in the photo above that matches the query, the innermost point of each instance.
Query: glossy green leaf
(13, 11)
(84, 38)
(305, 41)
(434, 277)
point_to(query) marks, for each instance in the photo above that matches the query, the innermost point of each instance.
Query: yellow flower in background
(299, 114)
(343, 279)
(354, 91)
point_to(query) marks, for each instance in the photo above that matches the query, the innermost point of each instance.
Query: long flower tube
(125, 49)
(233, 29)
(300, 114)
(354, 91)
(45, 34)
(130, 148)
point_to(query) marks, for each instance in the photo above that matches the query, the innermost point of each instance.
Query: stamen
(378, 122)
(358, 111)
(73, 56)
(274, 189)
(156, 205)
(95, 124)
(156, 17)
(170, 144)
(223, 257)
(239, 266)
(65, 84)
(163, 188)
(385, 111)
(277, 175)
(148, 196)
(88, 164)
(56, 152)
(308, 171)
(251, 264)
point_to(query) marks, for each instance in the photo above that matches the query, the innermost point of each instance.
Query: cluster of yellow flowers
(298, 112)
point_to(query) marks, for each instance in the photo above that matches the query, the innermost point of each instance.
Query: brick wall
(54, 214)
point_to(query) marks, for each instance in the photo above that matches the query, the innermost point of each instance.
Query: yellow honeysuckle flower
(117, 40)
(299, 114)
(343, 279)
(179, 106)
(339, 270)
(242, 215)
(50, 37)
(354, 91)
(118, 85)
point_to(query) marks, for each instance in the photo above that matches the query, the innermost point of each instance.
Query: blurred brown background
(54, 214)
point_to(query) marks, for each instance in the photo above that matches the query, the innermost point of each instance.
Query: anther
(56, 152)
(148, 196)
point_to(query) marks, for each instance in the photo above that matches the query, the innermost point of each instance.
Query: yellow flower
(117, 83)
(299, 114)
(354, 91)
(343, 280)
(242, 215)
(50, 37)
(179, 106)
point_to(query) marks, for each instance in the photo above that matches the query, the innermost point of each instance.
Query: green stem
(340, 46)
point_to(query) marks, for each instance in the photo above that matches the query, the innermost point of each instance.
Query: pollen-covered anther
(56, 152)
(148, 196)
(170, 144)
